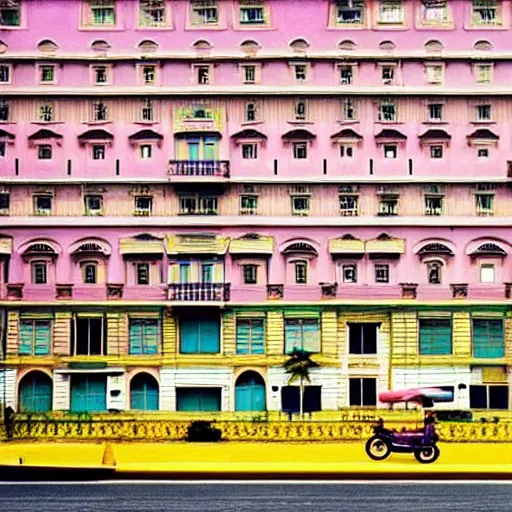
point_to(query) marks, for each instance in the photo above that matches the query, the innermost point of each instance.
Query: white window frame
(349, 6)
(381, 112)
(12, 5)
(42, 211)
(248, 210)
(90, 6)
(44, 149)
(92, 212)
(33, 271)
(6, 68)
(143, 212)
(206, 79)
(201, 19)
(295, 66)
(386, 268)
(484, 267)
(390, 149)
(434, 73)
(107, 68)
(145, 10)
(480, 6)
(483, 72)
(40, 74)
(345, 267)
(249, 150)
(300, 150)
(142, 74)
(429, 112)
(95, 111)
(347, 105)
(390, 12)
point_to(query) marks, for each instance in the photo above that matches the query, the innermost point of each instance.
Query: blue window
(488, 340)
(435, 336)
(250, 336)
(144, 336)
(35, 393)
(184, 273)
(35, 337)
(88, 393)
(303, 334)
(144, 393)
(207, 273)
(200, 335)
(250, 392)
(198, 399)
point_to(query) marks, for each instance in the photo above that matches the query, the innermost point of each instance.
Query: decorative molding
(64, 291)
(115, 290)
(459, 290)
(15, 291)
(275, 291)
(329, 290)
(409, 290)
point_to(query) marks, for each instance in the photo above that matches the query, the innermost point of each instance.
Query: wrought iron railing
(199, 292)
(217, 168)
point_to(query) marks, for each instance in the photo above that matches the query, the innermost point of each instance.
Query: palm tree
(298, 366)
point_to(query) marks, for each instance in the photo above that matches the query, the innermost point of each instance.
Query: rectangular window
(98, 151)
(484, 204)
(184, 273)
(43, 205)
(388, 206)
(251, 112)
(363, 338)
(483, 112)
(346, 151)
(301, 110)
(488, 397)
(142, 273)
(44, 152)
(198, 399)
(207, 273)
(5, 203)
(102, 13)
(435, 112)
(346, 75)
(433, 205)
(362, 392)
(482, 153)
(47, 74)
(250, 336)
(144, 336)
(198, 205)
(391, 12)
(252, 12)
(249, 74)
(302, 334)
(143, 206)
(248, 205)
(300, 72)
(89, 336)
(146, 151)
(146, 112)
(100, 75)
(388, 75)
(349, 12)
(250, 274)
(204, 12)
(93, 205)
(387, 112)
(382, 273)
(47, 112)
(435, 73)
(149, 75)
(483, 73)
(349, 273)
(300, 205)
(90, 273)
(434, 12)
(35, 337)
(390, 150)
(5, 74)
(488, 338)
(436, 151)
(487, 273)
(99, 111)
(202, 75)
(348, 110)
(301, 272)
(435, 336)
(39, 272)
(349, 205)
(300, 150)
(250, 151)
(152, 13)
(10, 13)
(200, 335)
(486, 12)
(4, 110)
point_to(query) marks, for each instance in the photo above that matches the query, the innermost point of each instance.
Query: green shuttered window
(144, 336)
(303, 334)
(198, 399)
(250, 336)
(435, 336)
(200, 335)
(35, 337)
(488, 340)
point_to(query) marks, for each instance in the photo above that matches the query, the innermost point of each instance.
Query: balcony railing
(215, 168)
(196, 292)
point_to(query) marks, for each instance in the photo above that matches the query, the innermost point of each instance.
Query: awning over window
(184, 134)
(488, 249)
(435, 249)
(386, 245)
(6, 135)
(95, 135)
(435, 134)
(299, 134)
(249, 244)
(44, 134)
(483, 136)
(391, 135)
(346, 134)
(349, 246)
(249, 134)
(145, 135)
(141, 244)
(300, 247)
(90, 246)
(200, 243)
(5, 245)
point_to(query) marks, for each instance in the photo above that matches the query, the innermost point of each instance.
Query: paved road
(277, 497)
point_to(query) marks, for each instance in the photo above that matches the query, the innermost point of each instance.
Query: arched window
(434, 272)
(250, 392)
(35, 393)
(144, 393)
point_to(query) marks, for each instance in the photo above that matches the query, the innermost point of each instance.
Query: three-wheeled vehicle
(422, 442)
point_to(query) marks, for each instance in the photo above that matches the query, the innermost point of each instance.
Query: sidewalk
(181, 460)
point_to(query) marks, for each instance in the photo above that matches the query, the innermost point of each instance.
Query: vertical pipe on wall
(69, 167)
(325, 166)
(17, 166)
(118, 167)
(410, 166)
(371, 165)
(275, 167)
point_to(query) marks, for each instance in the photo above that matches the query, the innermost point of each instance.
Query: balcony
(207, 168)
(200, 292)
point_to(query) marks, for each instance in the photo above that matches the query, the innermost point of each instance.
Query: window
(198, 399)
(93, 205)
(487, 273)
(249, 74)
(35, 337)
(144, 336)
(99, 111)
(43, 205)
(435, 73)
(482, 153)
(349, 273)
(362, 338)
(434, 12)
(301, 272)
(207, 272)
(250, 336)
(349, 205)
(47, 74)
(348, 110)
(146, 151)
(143, 206)
(388, 75)
(44, 152)
(46, 112)
(142, 273)
(486, 12)
(433, 205)
(204, 13)
(200, 335)
(250, 273)
(436, 151)
(434, 272)
(5, 74)
(435, 112)
(90, 273)
(39, 272)
(346, 75)
(303, 334)
(98, 151)
(388, 206)
(390, 150)
(5, 203)
(152, 13)
(146, 112)
(202, 75)
(89, 336)
(362, 392)
(10, 13)
(100, 75)
(198, 205)
(300, 150)
(300, 205)
(435, 336)
(483, 112)
(252, 12)
(484, 204)
(483, 73)
(488, 338)
(382, 273)
(346, 151)
(488, 397)
(248, 205)
(301, 110)
(391, 11)
(300, 72)
(149, 75)
(349, 12)
(250, 151)
(387, 112)
(101, 13)
(4, 110)
(251, 112)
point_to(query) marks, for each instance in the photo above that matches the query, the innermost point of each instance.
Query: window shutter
(136, 337)
(311, 335)
(42, 338)
(292, 335)
(488, 339)
(435, 337)
(150, 337)
(243, 336)
(209, 336)
(189, 330)
(257, 337)
(26, 335)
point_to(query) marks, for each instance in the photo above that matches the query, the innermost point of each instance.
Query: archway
(35, 393)
(250, 392)
(144, 393)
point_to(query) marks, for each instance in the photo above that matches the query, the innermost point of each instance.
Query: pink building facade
(191, 189)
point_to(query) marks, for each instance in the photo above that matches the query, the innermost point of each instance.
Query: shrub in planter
(203, 432)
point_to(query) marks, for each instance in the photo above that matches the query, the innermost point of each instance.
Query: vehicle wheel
(427, 455)
(377, 448)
